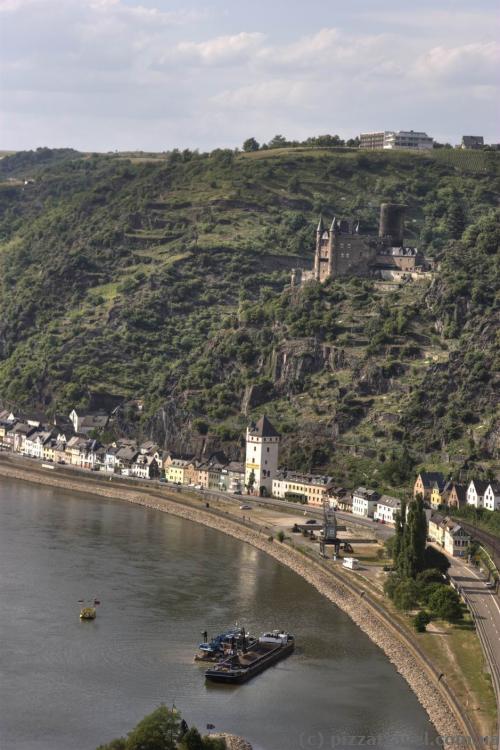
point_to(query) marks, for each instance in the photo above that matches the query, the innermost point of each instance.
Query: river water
(69, 684)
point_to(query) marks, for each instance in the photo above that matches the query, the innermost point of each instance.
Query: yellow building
(177, 471)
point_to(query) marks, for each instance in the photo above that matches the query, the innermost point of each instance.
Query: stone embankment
(424, 683)
(233, 742)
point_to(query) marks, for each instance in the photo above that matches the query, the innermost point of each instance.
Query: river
(162, 581)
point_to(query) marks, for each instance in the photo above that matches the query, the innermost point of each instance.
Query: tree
(420, 620)
(251, 481)
(405, 594)
(120, 743)
(192, 740)
(250, 145)
(456, 221)
(400, 524)
(430, 575)
(434, 559)
(157, 731)
(411, 558)
(279, 141)
(444, 602)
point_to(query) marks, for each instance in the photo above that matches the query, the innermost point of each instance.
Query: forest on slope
(165, 277)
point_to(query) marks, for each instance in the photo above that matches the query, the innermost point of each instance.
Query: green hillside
(163, 277)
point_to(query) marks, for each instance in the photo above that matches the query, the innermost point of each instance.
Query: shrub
(444, 603)
(280, 536)
(405, 594)
(431, 575)
(420, 620)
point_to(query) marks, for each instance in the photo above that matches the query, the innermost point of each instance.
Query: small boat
(240, 667)
(88, 613)
(88, 609)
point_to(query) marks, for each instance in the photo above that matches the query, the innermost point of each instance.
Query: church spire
(334, 225)
(321, 226)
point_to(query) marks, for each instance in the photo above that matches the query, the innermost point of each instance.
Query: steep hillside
(164, 277)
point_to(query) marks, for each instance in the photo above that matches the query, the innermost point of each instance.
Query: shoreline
(433, 694)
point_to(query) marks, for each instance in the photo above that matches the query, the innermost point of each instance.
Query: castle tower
(261, 455)
(323, 252)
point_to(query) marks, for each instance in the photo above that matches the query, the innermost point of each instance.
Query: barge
(241, 666)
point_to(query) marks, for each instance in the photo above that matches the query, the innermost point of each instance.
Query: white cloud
(476, 63)
(220, 50)
(274, 93)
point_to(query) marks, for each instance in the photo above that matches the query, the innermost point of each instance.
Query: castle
(342, 250)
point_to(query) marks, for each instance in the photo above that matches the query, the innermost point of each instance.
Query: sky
(152, 75)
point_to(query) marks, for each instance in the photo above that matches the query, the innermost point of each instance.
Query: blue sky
(152, 75)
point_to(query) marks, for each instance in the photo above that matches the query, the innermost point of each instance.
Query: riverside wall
(444, 713)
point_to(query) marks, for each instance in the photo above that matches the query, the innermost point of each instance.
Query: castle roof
(263, 428)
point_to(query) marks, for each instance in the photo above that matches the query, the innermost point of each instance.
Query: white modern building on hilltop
(262, 449)
(402, 139)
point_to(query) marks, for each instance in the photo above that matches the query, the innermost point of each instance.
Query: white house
(262, 448)
(364, 502)
(491, 497)
(386, 509)
(475, 492)
(110, 462)
(144, 467)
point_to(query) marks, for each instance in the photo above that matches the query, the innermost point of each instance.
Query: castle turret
(317, 256)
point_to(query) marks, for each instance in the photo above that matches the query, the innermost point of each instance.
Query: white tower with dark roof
(262, 455)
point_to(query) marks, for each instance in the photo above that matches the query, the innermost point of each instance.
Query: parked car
(490, 584)
(245, 507)
(311, 520)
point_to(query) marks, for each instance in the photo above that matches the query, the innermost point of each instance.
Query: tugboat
(223, 644)
(244, 664)
(88, 610)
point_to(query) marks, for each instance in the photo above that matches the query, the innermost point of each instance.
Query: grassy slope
(162, 276)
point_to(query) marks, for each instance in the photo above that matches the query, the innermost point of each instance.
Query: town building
(424, 484)
(437, 497)
(472, 142)
(307, 488)
(449, 535)
(262, 449)
(87, 423)
(176, 470)
(435, 528)
(386, 509)
(364, 502)
(344, 503)
(457, 495)
(411, 140)
(236, 476)
(475, 492)
(491, 497)
(344, 250)
(145, 467)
